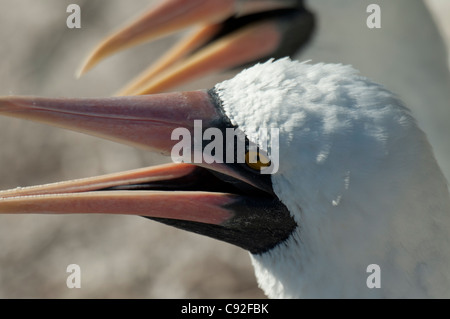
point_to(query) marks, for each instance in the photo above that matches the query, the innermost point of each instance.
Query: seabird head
(356, 181)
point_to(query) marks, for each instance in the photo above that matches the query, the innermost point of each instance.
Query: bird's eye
(257, 160)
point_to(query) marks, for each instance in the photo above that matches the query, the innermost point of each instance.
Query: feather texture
(358, 176)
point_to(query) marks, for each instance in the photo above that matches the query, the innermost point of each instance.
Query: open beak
(230, 202)
(228, 34)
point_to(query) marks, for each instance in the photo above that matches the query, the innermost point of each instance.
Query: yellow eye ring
(257, 160)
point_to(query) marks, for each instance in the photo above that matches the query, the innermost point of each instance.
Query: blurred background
(119, 256)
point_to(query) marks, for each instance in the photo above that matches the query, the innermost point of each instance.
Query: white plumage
(359, 178)
(407, 55)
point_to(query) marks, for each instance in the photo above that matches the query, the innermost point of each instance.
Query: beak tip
(123, 92)
(78, 73)
(5, 103)
(84, 68)
(120, 94)
(91, 60)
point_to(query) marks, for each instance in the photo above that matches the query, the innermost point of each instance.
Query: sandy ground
(119, 256)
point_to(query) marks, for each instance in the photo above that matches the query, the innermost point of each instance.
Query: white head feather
(357, 175)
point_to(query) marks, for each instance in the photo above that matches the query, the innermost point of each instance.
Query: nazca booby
(413, 53)
(357, 182)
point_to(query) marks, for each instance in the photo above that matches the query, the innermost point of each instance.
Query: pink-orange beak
(228, 34)
(231, 202)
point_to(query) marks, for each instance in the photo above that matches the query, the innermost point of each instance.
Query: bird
(357, 183)
(382, 54)
(415, 54)
(228, 34)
